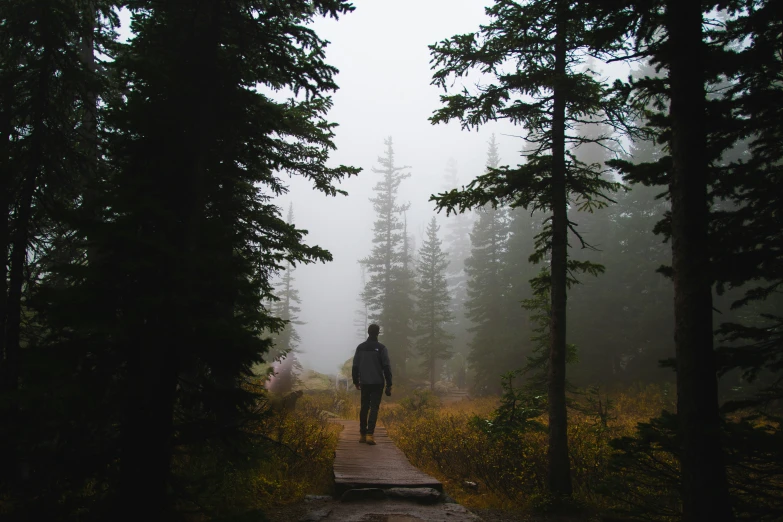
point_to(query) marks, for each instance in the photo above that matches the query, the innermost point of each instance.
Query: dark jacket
(371, 363)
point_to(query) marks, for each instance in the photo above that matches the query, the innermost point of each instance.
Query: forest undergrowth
(296, 449)
(621, 448)
(488, 457)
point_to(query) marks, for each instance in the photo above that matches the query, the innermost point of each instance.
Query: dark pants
(371, 401)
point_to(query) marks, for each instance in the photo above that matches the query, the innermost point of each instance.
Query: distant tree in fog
(361, 316)
(286, 341)
(456, 242)
(433, 303)
(386, 265)
(486, 305)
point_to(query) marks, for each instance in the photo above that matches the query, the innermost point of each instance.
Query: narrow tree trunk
(704, 485)
(559, 464)
(432, 336)
(5, 213)
(87, 55)
(89, 131)
(432, 372)
(8, 453)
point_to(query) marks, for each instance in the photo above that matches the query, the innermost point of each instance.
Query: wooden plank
(359, 465)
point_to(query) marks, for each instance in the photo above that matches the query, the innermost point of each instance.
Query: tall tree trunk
(5, 213)
(157, 357)
(89, 130)
(8, 453)
(432, 337)
(559, 464)
(704, 485)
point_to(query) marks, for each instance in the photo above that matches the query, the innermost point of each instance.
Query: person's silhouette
(371, 367)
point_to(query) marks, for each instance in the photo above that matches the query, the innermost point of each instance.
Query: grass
(486, 470)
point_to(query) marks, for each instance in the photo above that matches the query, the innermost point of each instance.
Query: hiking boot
(370, 440)
(363, 438)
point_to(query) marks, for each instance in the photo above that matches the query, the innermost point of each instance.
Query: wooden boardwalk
(382, 466)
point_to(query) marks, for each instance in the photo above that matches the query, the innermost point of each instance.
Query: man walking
(371, 367)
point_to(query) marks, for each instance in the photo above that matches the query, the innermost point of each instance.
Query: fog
(381, 52)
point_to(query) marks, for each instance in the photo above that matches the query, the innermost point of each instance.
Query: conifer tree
(362, 313)
(186, 238)
(487, 292)
(750, 234)
(402, 304)
(531, 51)
(433, 302)
(46, 90)
(287, 339)
(699, 127)
(388, 265)
(457, 243)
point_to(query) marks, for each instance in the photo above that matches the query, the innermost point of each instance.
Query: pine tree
(705, 487)
(486, 304)
(433, 302)
(388, 265)
(46, 93)
(185, 235)
(531, 50)
(286, 341)
(487, 290)
(361, 320)
(402, 306)
(699, 125)
(750, 234)
(457, 243)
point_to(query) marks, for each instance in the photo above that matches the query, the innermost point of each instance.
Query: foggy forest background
(606, 217)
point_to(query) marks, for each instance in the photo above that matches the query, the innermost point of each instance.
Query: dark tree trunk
(89, 130)
(5, 213)
(87, 55)
(157, 357)
(8, 453)
(559, 465)
(704, 485)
